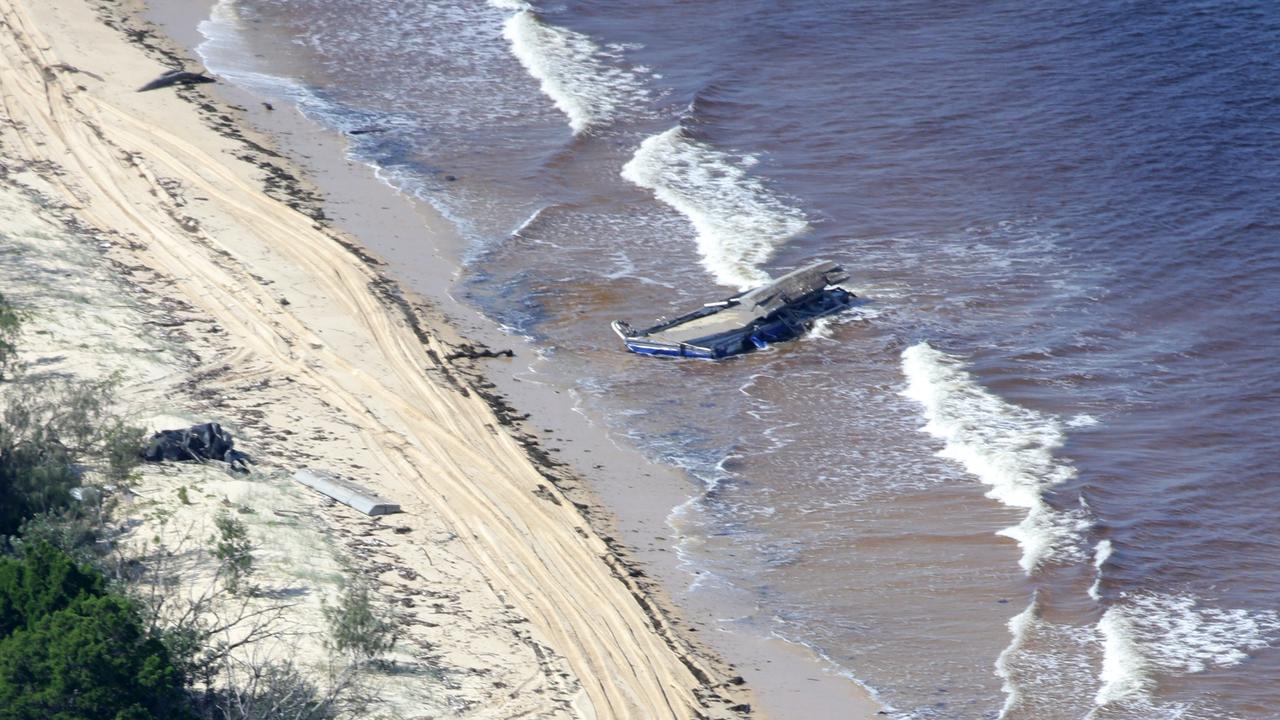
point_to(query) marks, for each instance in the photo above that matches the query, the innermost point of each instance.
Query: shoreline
(293, 308)
(708, 683)
(629, 507)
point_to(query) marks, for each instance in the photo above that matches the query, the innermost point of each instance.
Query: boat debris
(781, 310)
(346, 492)
(206, 441)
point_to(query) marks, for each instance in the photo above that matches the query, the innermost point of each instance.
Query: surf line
(739, 222)
(571, 69)
(1007, 447)
(1010, 449)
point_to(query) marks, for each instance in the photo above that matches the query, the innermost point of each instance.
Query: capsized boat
(781, 310)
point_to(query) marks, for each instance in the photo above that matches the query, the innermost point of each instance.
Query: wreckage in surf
(781, 310)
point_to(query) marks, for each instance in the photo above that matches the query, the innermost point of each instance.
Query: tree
(46, 427)
(69, 650)
(88, 661)
(36, 473)
(44, 581)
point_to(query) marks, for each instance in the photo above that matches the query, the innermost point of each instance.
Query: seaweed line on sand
(719, 686)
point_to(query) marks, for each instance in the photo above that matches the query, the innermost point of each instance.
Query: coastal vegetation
(234, 552)
(355, 625)
(8, 335)
(71, 648)
(93, 630)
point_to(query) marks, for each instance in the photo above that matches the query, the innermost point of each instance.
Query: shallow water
(1032, 477)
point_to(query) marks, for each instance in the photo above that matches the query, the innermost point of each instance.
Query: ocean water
(1035, 474)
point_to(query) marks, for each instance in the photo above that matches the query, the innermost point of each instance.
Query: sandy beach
(1026, 476)
(213, 285)
(1023, 478)
(277, 325)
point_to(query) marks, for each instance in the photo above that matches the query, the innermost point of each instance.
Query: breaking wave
(1151, 633)
(1043, 668)
(573, 71)
(1100, 556)
(739, 222)
(1019, 626)
(1008, 447)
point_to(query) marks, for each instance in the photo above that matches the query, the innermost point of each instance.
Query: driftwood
(176, 77)
(207, 441)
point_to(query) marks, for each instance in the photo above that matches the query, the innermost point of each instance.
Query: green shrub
(9, 326)
(48, 428)
(122, 451)
(37, 472)
(233, 550)
(70, 530)
(68, 649)
(44, 581)
(355, 624)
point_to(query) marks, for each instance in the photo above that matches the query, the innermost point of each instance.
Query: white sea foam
(1150, 633)
(1018, 627)
(1082, 421)
(225, 52)
(1045, 665)
(1125, 672)
(823, 329)
(579, 76)
(1100, 555)
(221, 31)
(739, 222)
(1008, 447)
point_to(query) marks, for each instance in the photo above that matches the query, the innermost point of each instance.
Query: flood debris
(781, 310)
(346, 492)
(176, 77)
(198, 443)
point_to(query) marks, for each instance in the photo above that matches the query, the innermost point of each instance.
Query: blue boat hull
(784, 326)
(661, 350)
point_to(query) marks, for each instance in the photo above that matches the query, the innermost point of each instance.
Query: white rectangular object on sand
(345, 492)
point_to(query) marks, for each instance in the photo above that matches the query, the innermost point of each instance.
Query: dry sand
(156, 237)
